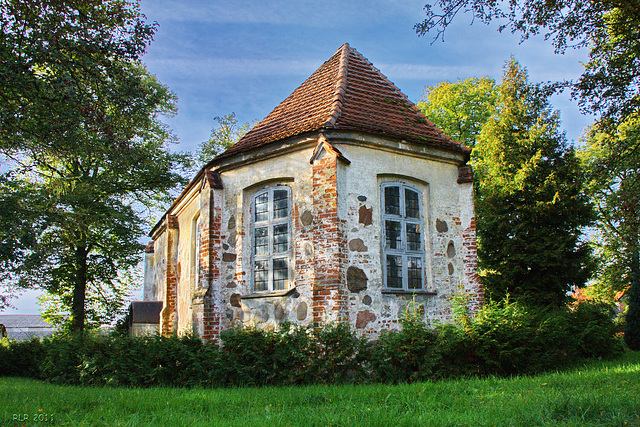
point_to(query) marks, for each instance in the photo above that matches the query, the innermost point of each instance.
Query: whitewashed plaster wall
(185, 263)
(240, 184)
(442, 204)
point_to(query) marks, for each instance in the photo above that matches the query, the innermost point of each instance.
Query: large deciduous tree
(610, 29)
(608, 87)
(612, 161)
(223, 136)
(531, 206)
(79, 123)
(460, 109)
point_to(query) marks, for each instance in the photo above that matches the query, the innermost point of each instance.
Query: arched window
(271, 239)
(403, 240)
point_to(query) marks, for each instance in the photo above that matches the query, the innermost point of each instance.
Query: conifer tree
(531, 206)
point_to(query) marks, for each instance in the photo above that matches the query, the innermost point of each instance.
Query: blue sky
(246, 56)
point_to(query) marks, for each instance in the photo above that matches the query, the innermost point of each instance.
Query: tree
(222, 137)
(610, 84)
(615, 190)
(80, 124)
(531, 205)
(461, 108)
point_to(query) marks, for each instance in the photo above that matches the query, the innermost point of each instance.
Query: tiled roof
(346, 93)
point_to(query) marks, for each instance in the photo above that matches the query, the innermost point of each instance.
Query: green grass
(597, 394)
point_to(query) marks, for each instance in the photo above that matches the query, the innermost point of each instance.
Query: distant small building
(23, 327)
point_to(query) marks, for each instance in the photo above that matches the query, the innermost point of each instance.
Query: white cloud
(307, 12)
(225, 67)
(431, 72)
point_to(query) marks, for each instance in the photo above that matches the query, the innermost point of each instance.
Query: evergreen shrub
(504, 338)
(410, 354)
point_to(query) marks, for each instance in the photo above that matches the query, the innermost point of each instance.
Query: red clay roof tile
(346, 93)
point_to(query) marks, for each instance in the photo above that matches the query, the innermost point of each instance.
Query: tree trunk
(79, 291)
(632, 320)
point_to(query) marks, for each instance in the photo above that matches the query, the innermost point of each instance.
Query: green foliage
(410, 354)
(80, 126)
(21, 358)
(610, 82)
(632, 319)
(460, 109)
(123, 361)
(530, 205)
(502, 339)
(508, 338)
(599, 393)
(292, 355)
(227, 133)
(592, 326)
(611, 159)
(337, 355)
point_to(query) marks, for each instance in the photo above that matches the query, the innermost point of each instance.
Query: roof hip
(341, 86)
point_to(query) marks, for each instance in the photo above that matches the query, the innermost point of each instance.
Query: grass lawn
(598, 394)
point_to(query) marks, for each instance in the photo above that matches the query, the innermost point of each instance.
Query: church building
(345, 204)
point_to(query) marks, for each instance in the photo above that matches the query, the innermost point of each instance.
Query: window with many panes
(271, 239)
(403, 242)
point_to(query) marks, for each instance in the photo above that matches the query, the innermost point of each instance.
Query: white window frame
(270, 223)
(403, 251)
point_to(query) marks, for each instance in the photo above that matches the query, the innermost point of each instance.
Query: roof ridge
(340, 86)
(413, 106)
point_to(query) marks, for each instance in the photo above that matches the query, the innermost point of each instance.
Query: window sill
(270, 294)
(408, 292)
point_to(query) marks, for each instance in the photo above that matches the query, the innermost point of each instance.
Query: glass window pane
(412, 203)
(393, 234)
(281, 238)
(280, 203)
(413, 237)
(392, 200)
(280, 274)
(261, 243)
(414, 271)
(394, 271)
(262, 207)
(261, 275)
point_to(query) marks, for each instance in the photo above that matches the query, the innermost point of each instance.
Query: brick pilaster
(330, 258)
(207, 301)
(470, 267)
(168, 315)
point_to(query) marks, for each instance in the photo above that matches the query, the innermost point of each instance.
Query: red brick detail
(470, 267)
(210, 263)
(168, 315)
(330, 243)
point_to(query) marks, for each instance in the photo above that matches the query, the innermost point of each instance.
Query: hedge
(502, 339)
